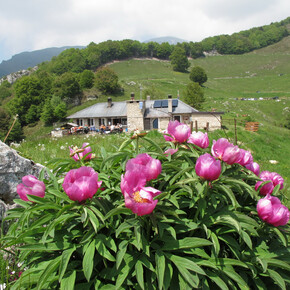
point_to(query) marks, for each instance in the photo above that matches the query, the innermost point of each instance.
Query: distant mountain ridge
(28, 59)
(169, 39)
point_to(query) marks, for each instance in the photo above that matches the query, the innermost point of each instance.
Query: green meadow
(261, 74)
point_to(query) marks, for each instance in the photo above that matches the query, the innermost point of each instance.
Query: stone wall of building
(163, 123)
(135, 115)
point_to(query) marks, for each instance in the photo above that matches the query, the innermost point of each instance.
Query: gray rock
(12, 168)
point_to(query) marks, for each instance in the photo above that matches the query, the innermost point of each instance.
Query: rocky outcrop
(12, 168)
(13, 77)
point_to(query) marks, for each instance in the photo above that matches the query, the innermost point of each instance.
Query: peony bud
(81, 184)
(199, 139)
(207, 167)
(272, 211)
(30, 185)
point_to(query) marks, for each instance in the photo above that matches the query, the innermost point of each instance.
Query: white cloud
(34, 24)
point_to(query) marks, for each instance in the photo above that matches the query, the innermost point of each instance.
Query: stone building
(145, 114)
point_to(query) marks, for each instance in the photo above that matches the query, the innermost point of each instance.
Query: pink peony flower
(78, 154)
(207, 167)
(81, 184)
(246, 157)
(274, 179)
(30, 185)
(149, 166)
(254, 167)
(226, 151)
(272, 211)
(218, 147)
(170, 151)
(231, 154)
(277, 179)
(180, 132)
(166, 137)
(199, 139)
(137, 197)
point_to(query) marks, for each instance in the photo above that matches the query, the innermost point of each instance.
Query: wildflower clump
(174, 212)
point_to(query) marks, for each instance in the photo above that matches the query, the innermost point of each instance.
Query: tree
(67, 87)
(198, 75)
(107, 80)
(87, 79)
(194, 95)
(179, 59)
(4, 123)
(32, 114)
(47, 115)
(60, 111)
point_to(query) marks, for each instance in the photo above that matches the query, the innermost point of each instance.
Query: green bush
(201, 234)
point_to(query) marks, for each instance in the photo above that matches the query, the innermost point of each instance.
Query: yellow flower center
(138, 198)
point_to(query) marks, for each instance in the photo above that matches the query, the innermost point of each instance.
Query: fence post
(196, 127)
(191, 126)
(236, 138)
(207, 126)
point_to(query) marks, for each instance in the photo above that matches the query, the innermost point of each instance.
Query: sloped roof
(117, 109)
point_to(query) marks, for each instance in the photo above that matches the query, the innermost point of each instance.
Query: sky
(36, 24)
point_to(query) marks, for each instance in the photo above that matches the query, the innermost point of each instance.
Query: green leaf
(191, 279)
(234, 276)
(68, 282)
(125, 144)
(23, 203)
(281, 236)
(55, 246)
(277, 278)
(88, 260)
(186, 263)
(103, 251)
(160, 267)
(51, 227)
(279, 264)
(125, 270)
(65, 257)
(93, 219)
(139, 274)
(216, 279)
(59, 194)
(215, 242)
(186, 243)
(154, 144)
(52, 266)
(247, 239)
(229, 193)
(126, 225)
(229, 221)
(120, 254)
(118, 210)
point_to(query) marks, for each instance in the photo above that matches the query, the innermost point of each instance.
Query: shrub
(186, 232)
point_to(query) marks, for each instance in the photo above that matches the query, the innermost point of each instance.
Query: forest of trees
(66, 76)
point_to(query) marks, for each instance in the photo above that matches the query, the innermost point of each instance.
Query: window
(177, 118)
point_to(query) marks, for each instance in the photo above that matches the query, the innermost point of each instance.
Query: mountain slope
(27, 59)
(169, 39)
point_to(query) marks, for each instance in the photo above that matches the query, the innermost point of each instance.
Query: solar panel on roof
(174, 103)
(157, 104)
(164, 104)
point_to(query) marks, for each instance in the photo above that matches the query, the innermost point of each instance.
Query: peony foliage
(140, 218)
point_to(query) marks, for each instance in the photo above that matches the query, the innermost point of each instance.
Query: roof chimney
(132, 96)
(109, 102)
(169, 103)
